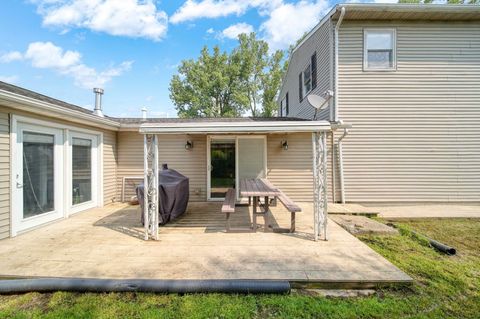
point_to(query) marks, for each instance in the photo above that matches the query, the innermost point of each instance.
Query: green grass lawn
(445, 287)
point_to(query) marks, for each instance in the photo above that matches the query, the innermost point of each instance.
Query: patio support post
(319, 146)
(150, 192)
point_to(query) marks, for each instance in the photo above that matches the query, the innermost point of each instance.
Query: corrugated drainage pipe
(16, 286)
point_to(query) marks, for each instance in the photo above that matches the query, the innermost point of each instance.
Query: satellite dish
(319, 102)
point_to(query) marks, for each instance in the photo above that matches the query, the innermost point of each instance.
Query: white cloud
(285, 21)
(10, 57)
(193, 9)
(210, 31)
(9, 79)
(288, 22)
(132, 18)
(233, 31)
(46, 55)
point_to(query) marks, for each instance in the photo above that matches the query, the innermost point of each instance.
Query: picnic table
(256, 188)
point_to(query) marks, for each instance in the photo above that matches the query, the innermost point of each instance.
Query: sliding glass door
(231, 158)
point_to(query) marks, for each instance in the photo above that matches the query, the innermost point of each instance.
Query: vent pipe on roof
(144, 113)
(98, 101)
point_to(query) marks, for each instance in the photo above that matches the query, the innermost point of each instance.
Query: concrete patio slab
(107, 243)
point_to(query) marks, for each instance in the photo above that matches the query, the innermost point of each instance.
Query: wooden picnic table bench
(228, 208)
(262, 187)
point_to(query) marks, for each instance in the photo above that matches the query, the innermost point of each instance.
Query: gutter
(20, 102)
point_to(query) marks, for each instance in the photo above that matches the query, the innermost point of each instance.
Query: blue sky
(63, 48)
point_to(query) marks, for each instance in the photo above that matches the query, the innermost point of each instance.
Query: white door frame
(235, 138)
(66, 204)
(19, 223)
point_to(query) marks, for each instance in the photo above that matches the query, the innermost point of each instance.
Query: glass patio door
(221, 167)
(38, 176)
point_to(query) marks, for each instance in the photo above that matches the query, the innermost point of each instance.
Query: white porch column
(319, 148)
(150, 182)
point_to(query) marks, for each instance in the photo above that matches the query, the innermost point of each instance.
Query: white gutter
(337, 27)
(20, 102)
(235, 127)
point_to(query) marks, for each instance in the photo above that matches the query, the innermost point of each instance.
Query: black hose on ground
(435, 244)
(16, 286)
(443, 248)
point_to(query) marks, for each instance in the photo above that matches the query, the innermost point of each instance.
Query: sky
(131, 48)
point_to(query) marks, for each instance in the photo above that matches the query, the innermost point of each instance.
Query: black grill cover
(173, 195)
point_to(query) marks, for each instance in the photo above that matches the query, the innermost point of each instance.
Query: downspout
(335, 119)
(340, 164)
(337, 27)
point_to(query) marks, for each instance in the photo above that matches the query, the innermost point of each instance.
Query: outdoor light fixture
(284, 144)
(189, 145)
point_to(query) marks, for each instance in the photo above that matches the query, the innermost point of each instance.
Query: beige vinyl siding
(416, 130)
(321, 43)
(4, 175)
(109, 166)
(171, 149)
(291, 170)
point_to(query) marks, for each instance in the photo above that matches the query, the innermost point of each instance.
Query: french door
(55, 172)
(37, 194)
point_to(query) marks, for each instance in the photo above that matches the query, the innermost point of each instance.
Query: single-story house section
(59, 159)
(406, 108)
(407, 78)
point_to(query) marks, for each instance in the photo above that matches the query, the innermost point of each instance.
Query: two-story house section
(407, 78)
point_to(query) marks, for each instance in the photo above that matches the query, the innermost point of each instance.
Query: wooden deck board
(107, 243)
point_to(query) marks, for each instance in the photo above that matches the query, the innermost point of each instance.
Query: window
(307, 80)
(81, 170)
(284, 106)
(379, 52)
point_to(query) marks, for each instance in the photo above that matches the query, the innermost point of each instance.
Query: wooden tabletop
(257, 187)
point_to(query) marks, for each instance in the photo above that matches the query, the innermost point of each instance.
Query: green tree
(226, 85)
(205, 87)
(260, 75)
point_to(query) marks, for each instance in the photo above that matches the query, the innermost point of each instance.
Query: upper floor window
(284, 106)
(379, 49)
(307, 80)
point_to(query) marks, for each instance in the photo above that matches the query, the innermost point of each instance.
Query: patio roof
(235, 125)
